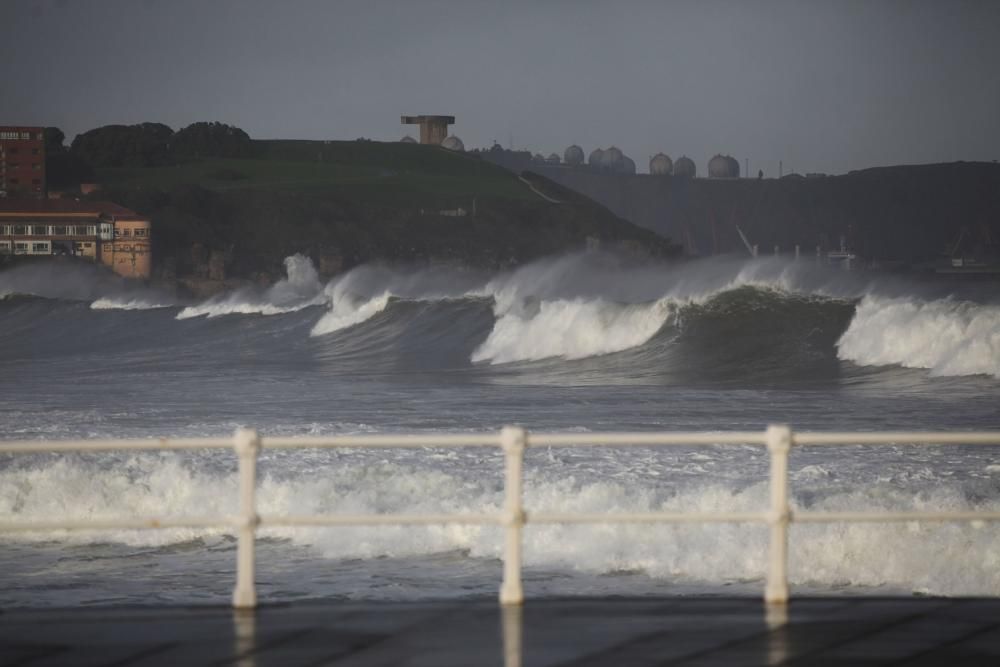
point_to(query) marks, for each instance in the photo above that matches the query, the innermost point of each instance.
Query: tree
(62, 168)
(54, 139)
(143, 145)
(211, 140)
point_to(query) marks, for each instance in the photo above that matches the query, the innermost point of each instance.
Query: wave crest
(945, 336)
(572, 329)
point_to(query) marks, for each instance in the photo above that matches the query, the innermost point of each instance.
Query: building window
(20, 229)
(5, 230)
(40, 247)
(124, 231)
(4, 247)
(92, 230)
(140, 233)
(26, 135)
(20, 248)
(58, 231)
(40, 230)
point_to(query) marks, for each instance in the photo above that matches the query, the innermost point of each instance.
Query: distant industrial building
(22, 162)
(433, 129)
(101, 232)
(453, 143)
(685, 167)
(573, 156)
(723, 166)
(661, 165)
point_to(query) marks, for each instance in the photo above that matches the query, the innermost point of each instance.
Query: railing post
(779, 442)
(513, 440)
(246, 442)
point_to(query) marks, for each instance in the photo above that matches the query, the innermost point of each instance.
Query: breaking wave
(300, 289)
(597, 314)
(946, 336)
(571, 329)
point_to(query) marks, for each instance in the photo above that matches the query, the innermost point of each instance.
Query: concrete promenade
(577, 632)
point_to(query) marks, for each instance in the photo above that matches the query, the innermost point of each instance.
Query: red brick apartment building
(22, 162)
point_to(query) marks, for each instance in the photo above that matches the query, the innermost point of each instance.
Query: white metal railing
(778, 439)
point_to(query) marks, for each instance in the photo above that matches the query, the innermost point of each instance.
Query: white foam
(346, 311)
(948, 559)
(948, 337)
(571, 329)
(300, 289)
(110, 303)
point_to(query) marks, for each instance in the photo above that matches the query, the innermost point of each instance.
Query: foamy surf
(931, 558)
(947, 337)
(110, 303)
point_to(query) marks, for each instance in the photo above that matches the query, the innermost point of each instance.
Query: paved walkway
(538, 192)
(574, 632)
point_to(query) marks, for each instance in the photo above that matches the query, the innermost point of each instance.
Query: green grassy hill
(402, 173)
(349, 202)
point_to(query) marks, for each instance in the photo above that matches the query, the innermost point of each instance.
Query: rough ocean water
(585, 342)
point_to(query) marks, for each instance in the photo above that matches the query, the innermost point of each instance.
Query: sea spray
(300, 289)
(81, 281)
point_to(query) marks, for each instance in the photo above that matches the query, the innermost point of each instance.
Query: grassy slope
(399, 173)
(356, 202)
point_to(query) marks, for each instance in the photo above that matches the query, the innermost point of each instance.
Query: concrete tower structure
(433, 129)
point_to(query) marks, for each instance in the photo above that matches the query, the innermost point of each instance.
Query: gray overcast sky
(825, 86)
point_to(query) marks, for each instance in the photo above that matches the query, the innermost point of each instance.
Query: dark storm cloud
(824, 86)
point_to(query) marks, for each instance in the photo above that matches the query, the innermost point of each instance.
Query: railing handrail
(778, 439)
(534, 440)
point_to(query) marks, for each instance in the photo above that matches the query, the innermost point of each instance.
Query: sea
(583, 343)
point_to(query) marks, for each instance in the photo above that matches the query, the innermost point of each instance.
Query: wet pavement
(576, 631)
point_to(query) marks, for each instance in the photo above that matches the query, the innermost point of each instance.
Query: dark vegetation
(64, 169)
(218, 198)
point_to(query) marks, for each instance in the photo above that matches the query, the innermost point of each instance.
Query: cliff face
(903, 214)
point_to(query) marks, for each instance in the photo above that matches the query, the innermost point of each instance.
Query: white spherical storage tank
(685, 167)
(661, 165)
(573, 155)
(453, 143)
